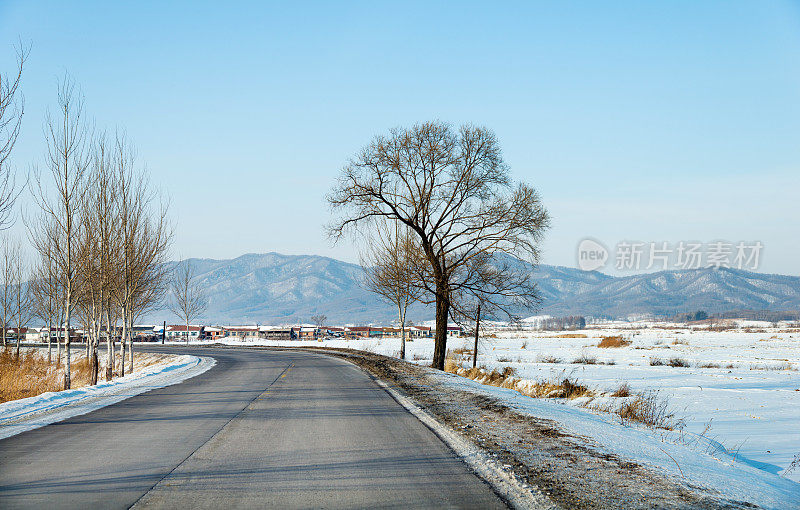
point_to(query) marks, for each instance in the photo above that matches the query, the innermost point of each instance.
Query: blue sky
(636, 121)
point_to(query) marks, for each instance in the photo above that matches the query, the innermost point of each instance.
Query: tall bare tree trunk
(67, 360)
(58, 348)
(110, 354)
(130, 339)
(49, 341)
(122, 352)
(477, 327)
(402, 334)
(94, 361)
(440, 339)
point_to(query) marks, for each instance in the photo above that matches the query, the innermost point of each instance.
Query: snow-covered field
(741, 386)
(17, 416)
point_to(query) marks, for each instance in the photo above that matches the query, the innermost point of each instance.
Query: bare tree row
(100, 233)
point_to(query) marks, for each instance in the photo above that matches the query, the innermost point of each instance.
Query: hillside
(279, 289)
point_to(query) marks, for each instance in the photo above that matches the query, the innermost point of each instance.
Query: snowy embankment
(662, 450)
(29, 413)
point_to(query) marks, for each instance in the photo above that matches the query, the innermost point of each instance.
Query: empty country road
(262, 428)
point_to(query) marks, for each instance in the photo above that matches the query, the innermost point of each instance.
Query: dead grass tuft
(680, 341)
(774, 366)
(678, 363)
(548, 359)
(613, 341)
(649, 409)
(585, 359)
(572, 335)
(623, 390)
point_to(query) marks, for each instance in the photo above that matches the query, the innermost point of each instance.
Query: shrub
(624, 390)
(524, 345)
(651, 410)
(585, 360)
(656, 362)
(613, 341)
(678, 363)
(547, 359)
(709, 365)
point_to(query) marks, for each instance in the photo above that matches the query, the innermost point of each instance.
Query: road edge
(505, 484)
(85, 400)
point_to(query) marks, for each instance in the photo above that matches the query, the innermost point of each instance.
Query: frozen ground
(750, 392)
(24, 414)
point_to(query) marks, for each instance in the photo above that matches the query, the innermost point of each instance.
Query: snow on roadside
(25, 414)
(735, 480)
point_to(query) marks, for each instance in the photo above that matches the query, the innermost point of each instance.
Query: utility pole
(477, 325)
(163, 332)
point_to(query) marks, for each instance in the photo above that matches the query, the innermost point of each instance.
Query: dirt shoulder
(566, 468)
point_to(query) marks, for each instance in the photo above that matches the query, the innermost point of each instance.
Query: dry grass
(585, 359)
(524, 345)
(680, 341)
(656, 362)
(649, 409)
(613, 341)
(645, 408)
(774, 366)
(623, 390)
(572, 335)
(463, 351)
(31, 374)
(548, 359)
(678, 363)
(709, 365)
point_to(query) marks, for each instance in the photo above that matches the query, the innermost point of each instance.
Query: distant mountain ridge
(272, 288)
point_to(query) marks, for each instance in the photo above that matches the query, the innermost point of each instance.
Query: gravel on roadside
(568, 469)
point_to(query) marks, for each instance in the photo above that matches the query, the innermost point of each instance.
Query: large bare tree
(12, 107)
(454, 191)
(67, 162)
(189, 301)
(388, 262)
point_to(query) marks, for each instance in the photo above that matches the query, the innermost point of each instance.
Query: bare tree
(67, 162)
(188, 300)
(97, 253)
(145, 236)
(388, 264)
(44, 288)
(454, 191)
(8, 255)
(22, 299)
(12, 107)
(319, 320)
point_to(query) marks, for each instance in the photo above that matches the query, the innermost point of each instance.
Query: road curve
(263, 428)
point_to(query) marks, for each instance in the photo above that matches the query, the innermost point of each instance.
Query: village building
(180, 332)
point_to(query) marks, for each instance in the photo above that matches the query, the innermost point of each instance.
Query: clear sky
(639, 121)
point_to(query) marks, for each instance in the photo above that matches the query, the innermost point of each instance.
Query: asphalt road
(263, 428)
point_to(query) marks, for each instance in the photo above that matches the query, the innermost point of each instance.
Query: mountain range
(272, 288)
